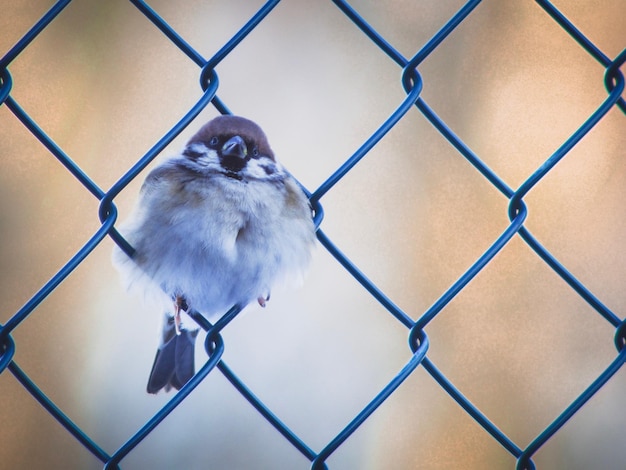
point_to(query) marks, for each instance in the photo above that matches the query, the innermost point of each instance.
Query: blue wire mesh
(418, 339)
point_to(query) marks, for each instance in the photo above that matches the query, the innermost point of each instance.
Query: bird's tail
(174, 362)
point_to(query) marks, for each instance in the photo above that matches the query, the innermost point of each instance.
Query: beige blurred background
(413, 215)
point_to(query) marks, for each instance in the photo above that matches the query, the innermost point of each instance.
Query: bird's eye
(255, 152)
(214, 141)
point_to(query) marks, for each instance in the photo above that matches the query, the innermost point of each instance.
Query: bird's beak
(235, 147)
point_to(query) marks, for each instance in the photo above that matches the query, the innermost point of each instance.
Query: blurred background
(413, 215)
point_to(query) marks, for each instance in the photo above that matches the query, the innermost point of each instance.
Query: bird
(215, 226)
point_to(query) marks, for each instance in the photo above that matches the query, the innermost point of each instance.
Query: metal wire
(417, 337)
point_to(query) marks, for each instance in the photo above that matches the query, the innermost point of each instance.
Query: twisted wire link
(418, 341)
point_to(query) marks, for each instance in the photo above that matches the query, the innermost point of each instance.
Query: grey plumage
(217, 225)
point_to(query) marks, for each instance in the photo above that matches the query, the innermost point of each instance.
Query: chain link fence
(416, 324)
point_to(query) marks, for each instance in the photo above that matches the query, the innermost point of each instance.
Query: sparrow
(215, 226)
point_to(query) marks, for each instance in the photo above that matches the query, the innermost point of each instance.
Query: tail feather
(174, 361)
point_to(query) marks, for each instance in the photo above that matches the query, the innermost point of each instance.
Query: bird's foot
(179, 304)
(262, 300)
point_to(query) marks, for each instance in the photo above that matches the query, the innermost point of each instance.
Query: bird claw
(179, 304)
(263, 300)
(177, 323)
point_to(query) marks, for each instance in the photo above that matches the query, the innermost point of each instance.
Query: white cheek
(257, 169)
(199, 148)
(209, 160)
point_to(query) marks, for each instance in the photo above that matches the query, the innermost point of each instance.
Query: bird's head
(233, 146)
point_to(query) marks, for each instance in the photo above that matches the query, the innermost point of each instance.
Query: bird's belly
(213, 267)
